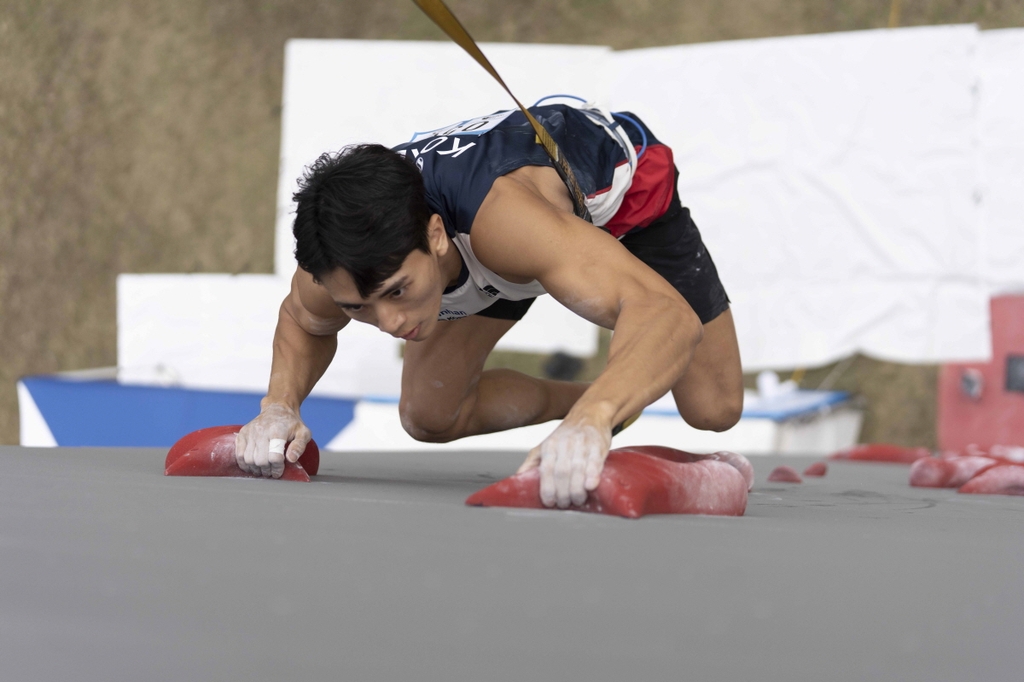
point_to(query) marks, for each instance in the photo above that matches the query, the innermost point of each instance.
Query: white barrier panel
(814, 430)
(34, 431)
(834, 180)
(217, 331)
(1001, 129)
(377, 427)
(342, 92)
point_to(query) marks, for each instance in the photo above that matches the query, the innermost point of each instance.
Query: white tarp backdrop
(838, 180)
(1001, 130)
(833, 178)
(342, 92)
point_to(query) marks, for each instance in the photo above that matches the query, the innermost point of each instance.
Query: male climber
(445, 242)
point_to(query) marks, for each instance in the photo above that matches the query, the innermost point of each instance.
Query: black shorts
(672, 247)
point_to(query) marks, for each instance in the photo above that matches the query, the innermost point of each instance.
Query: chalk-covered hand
(260, 447)
(570, 461)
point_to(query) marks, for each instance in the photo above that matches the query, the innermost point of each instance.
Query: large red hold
(211, 452)
(741, 463)
(644, 480)
(1005, 479)
(947, 472)
(882, 452)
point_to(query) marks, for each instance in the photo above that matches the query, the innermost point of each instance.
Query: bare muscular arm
(304, 344)
(523, 232)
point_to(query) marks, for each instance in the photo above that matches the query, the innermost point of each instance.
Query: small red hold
(642, 480)
(211, 452)
(784, 474)
(817, 469)
(882, 452)
(1004, 479)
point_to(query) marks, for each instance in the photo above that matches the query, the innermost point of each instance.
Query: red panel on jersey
(650, 193)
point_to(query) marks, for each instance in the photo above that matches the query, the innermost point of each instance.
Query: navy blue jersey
(461, 162)
(626, 174)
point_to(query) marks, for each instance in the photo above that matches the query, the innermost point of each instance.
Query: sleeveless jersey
(460, 163)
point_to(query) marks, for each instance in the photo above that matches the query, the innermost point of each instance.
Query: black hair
(363, 209)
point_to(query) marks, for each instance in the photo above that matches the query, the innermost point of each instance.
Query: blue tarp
(106, 413)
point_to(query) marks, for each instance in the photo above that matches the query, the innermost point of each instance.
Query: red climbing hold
(741, 463)
(817, 469)
(643, 480)
(1004, 479)
(211, 452)
(784, 474)
(882, 452)
(947, 472)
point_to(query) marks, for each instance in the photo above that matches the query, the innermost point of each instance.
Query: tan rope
(443, 17)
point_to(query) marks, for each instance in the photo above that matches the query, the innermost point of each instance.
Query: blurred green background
(143, 136)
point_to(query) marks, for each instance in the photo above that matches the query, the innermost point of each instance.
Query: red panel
(996, 417)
